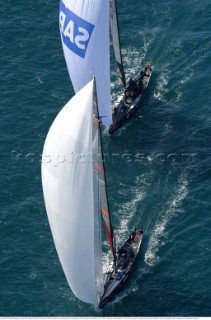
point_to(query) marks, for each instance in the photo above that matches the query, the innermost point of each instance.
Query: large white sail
(84, 27)
(69, 186)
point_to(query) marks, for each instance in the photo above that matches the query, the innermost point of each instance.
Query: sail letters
(75, 31)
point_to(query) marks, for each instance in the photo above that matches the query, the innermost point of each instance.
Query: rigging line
(103, 163)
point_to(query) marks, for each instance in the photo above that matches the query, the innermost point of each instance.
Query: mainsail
(84, 27)
(116, 39)
(75, 194)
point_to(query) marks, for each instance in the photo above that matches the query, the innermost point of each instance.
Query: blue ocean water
(158, 165)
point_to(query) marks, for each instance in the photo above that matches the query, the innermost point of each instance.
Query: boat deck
(120, 272)
(129, 101)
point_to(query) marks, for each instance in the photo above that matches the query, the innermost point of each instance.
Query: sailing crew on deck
(132, 84)
(133, 233)
(127, 98)
(140, 231)
(124, 261)
(132, 88)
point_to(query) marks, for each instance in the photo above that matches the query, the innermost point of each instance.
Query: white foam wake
(155, 242)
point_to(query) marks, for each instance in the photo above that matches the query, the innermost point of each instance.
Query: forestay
(71, 193)
(84, 27)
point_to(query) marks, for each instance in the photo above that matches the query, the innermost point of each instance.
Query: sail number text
(75, 31)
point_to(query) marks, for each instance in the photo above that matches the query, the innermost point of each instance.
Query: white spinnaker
(67, 178)
(84, 27)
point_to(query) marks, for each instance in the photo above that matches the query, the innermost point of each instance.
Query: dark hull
(123, 109)
(119, 274)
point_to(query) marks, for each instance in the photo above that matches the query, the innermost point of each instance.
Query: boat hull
(124, 109)
(119, 275)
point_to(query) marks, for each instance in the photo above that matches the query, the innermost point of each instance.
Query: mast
(102, 179)
(114, 27)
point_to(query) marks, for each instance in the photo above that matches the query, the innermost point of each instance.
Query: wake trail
(155, 241)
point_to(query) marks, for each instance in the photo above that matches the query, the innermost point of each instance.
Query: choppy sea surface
(158, 165)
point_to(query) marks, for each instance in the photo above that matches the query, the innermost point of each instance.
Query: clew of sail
(116, 39)
(71, 193)
(84, 28)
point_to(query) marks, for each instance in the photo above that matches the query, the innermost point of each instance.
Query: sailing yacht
(84, 28)
(76, 201)
(130, 99)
